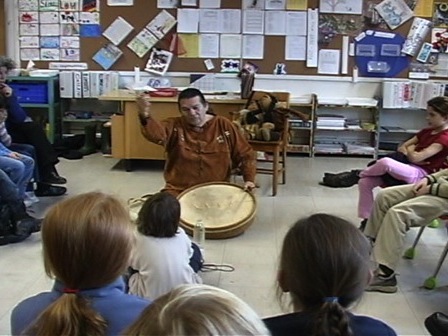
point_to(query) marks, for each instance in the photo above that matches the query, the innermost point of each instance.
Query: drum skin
(226, 209)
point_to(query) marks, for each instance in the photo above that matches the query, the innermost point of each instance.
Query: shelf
(300, 128)
(344, 130)
(400, 131)
(343, 154)
(86, 120)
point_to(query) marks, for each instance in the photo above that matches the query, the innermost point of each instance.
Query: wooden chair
(275, 163)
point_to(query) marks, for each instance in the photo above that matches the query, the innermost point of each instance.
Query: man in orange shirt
(201, 146)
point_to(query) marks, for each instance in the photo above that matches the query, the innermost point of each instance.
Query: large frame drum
(226, 209)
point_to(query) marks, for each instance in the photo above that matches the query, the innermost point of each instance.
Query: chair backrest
(282, 97)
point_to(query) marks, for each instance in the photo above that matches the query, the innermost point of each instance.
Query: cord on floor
(217, 267)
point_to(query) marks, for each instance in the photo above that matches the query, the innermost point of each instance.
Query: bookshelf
(301, 133)
(346, 127)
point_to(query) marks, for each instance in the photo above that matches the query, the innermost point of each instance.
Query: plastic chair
(274, 164)
(430, 282)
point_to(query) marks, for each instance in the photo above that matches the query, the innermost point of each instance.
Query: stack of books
(330, 122)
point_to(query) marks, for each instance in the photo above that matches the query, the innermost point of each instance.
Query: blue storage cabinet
(39, 92)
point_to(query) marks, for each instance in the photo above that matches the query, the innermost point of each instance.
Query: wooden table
(127, 141)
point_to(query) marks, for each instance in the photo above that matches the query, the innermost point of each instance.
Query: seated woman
(164, 256)
(87, 242)
(192, 310)
(396, 209)
(324, 266)
(23, 130)
(426, 152)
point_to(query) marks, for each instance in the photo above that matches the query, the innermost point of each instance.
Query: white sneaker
(30, 198)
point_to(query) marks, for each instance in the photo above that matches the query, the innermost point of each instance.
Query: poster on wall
(394, 12)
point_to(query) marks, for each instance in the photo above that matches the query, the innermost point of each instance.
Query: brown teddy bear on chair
(263, 119)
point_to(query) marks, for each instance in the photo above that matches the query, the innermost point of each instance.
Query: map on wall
(341, 6)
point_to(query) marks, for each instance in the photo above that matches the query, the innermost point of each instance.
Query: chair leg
(284, 166)
(275, 172)
(441, 260)
(410, 252)
(419, 235)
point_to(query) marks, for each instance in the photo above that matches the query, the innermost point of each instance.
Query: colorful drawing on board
(69, 17)
(159, 61)
(70, 55)
(161, 24)
(49, 54)
(90, 5)
(70, 29)
(330, 25)
(394, 12)
(371, 18)
(439, 39)
(49, 42)
(28, 17)
(49, 5)
(440, 14)
(69, 5)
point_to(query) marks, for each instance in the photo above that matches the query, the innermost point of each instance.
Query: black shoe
(437, 324)
(28, 225)
(54, 178)
(46, 190)
(383, 284)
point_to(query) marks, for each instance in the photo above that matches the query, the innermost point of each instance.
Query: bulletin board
(143, 11)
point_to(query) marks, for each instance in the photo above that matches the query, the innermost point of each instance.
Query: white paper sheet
(29, 41)
(253, 22)
(275, 23)
(209, 3)
(275, 4)
(49, 17)
(187, 20)
(209, 45)
(311, 42)
(191, 3)
(70, 55)
(209, 21)
(341, 7)
(296, 23)
(69, 42)
(329, 61)
(50, 29)
(29, 29)
(120, 2)
(251, 4)
(29, 54)
(49, 54)
(345, 43)
(230, 46)
(118, 30)
(253, 46)
(28, 5)
(230, 21)
(167, 3)
(295, 48)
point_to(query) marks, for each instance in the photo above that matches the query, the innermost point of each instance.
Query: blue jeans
(19, 171)
(30, 151)
(8, 189)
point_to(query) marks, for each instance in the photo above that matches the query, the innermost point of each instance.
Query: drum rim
(243, 221)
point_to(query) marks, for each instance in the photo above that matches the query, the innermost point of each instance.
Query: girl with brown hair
(324, 266)
(87, 242)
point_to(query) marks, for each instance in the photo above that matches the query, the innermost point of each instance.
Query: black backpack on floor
(9, 231)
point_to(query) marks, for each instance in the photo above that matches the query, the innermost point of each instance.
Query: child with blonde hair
(87, 242)
(191, 310)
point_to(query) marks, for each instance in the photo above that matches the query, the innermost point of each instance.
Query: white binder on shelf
(85, 84)
(77, 84)
(66, 84)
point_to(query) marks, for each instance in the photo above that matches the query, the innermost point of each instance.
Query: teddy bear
(263, 119)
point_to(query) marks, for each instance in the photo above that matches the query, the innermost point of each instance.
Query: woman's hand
(421, 187)
(14, 155)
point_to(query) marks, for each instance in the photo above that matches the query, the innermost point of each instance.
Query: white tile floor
(253, 254)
